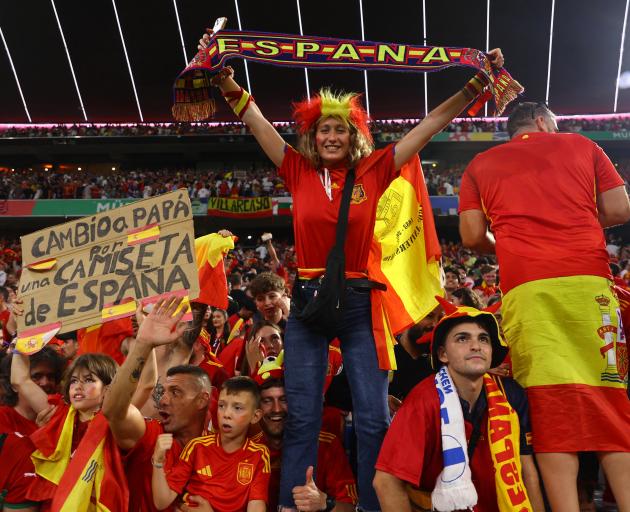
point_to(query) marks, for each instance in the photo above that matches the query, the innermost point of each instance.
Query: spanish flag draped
(405, 255)
(209, 251)
(92, 479)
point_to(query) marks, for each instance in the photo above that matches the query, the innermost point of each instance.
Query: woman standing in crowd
(219, 329)
(334, 137)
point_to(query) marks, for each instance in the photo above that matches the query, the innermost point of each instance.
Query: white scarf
(454, 489)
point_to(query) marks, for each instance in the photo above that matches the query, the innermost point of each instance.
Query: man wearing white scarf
(442, 448)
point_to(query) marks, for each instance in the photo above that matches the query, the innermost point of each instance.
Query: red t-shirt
(138, 468)
(333, 475)
(227, 480)
(539, 194)
(315, 216)
(16, 471)
(412, 449)
(13, 421)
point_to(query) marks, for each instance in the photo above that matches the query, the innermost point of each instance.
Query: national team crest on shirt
(358, 194)
(245, 473)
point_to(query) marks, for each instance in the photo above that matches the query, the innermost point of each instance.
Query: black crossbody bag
(322, 314)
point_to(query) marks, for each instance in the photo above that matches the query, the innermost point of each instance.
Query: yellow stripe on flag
(54, 466)
(143, 235)
(116, 311)
(79, 499)
(43, 265)
(568, 334)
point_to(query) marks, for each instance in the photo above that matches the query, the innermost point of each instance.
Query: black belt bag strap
(363, 283)
(323, 313)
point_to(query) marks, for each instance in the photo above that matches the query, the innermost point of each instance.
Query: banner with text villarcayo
(243, 208)
(93, 269)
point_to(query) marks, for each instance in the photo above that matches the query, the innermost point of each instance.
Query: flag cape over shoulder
(405, 255)
(95, 478)
(192, 91)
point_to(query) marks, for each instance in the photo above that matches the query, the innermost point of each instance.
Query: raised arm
(158, 328)
(21, 381)
(269, 139)
(147, 381)
(439, 118)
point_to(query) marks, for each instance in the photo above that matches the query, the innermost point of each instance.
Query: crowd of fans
(141, 183)
(244, 339)
(379, 128)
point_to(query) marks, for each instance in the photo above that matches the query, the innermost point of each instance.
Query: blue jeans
(306, 362)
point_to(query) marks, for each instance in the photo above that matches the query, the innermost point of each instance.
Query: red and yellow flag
(209, 251)
(31, 341)
(405, 255)
(94, 479)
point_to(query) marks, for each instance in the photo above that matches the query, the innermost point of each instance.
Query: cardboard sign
(93, 269)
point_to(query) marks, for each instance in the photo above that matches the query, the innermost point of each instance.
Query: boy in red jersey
(227, 468)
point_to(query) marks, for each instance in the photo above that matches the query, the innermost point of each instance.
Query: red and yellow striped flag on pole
(405, 255)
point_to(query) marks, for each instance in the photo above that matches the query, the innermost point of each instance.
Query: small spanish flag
(125, 308)
(143, 235)
(31, 341)
(209, 250)
(43, 264)
(147, 303)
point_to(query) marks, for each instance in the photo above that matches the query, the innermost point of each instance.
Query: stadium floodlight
(553, 11)
(240, 27)
(17, 80)
(181, 35)
(623, 42)
(308, 89)
(367, 94)
(65, 47)
(424, 38)
(133, 82)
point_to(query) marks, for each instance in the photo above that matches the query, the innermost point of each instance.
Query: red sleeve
(16, 471)
(292, 163)
(606, 176)
(469, 196)
(178, 477)
(333, 465)
(403, 451)
(143, 449)
(259, 488)
(384, 159)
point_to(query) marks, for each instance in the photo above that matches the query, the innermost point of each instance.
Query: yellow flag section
(405, 255)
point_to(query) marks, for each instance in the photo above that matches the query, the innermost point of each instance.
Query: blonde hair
(360, 145)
